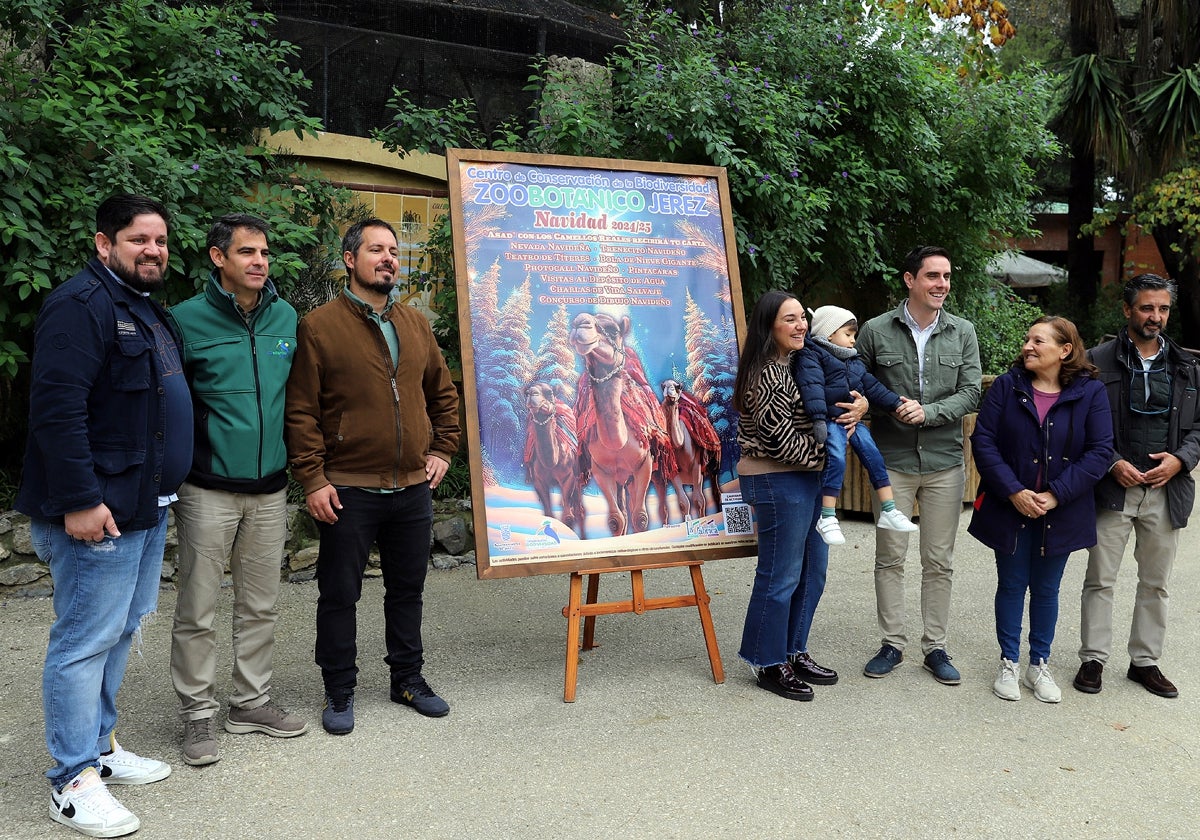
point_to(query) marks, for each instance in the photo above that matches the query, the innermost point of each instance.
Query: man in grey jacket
(1152, 389)
(931, 358)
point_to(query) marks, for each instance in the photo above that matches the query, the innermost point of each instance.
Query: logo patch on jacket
(126, 328)
(283, 348)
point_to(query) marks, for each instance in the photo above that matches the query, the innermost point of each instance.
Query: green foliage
(1002, 319)
(847, 133)
(1173, 201)
(457, 482)
(436, 270)
(175, 101)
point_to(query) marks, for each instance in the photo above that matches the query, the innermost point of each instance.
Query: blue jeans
(834, 475)
(102, 592)
(792, 561)
(400, 524)
(1027, 569)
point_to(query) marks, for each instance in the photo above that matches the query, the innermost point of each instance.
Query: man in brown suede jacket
(372, 422)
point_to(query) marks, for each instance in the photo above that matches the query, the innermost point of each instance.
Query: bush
(1002, 319)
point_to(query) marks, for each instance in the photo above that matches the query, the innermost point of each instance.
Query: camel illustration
(552, 454)
(697, 452)
(622, 431)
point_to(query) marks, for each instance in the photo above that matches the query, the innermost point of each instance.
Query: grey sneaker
(1037, 677)
(270, 718)
(200, 741)
(338, 715)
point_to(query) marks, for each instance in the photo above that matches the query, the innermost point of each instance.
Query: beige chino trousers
(249, 530)
(1145, 515)
(941, 497)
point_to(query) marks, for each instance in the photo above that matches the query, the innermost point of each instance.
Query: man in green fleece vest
(238, 338)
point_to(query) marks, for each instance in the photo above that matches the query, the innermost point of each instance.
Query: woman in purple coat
(1042, 440)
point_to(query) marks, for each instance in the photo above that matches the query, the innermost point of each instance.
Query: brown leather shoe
(1153, 680)
(784, 682)
(1088, 680)
(809, 671)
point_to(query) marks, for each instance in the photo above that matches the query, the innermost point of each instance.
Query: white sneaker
(1007, 686)
(830, 530)
(121, 767)
(1037, 677)
(86, 805)
(894, 520)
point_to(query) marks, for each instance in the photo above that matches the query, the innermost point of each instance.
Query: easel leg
(572, 612)
(589, 623)
(710, 633)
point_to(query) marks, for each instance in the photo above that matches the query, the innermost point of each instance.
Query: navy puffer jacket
(1070, 452)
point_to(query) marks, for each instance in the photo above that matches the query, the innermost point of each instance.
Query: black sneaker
(415, 692)
(338, 715)
(782, 680)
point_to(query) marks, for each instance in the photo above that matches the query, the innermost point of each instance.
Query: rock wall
(22, 574)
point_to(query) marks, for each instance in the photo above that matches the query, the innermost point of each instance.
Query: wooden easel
(637, 604)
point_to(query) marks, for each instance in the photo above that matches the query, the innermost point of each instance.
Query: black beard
(382, 287)
(131, 278)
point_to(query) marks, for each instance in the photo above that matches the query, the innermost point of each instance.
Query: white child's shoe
(830, 530)
(894, 520)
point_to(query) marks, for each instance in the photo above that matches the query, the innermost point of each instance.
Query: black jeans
(400, 523)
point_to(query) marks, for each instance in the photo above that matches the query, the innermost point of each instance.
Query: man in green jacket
(238, 338)
(931, 358)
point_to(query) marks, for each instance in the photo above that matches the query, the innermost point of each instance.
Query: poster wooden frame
(457, 160)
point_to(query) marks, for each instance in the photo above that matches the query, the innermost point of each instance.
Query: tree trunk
(1082, 276)
(1184, 269)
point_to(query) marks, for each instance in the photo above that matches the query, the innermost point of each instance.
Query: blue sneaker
(338, 715)
(416, 692)
(883, 663)
(937, 662)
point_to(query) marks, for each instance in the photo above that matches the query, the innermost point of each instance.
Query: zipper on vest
(258, 397)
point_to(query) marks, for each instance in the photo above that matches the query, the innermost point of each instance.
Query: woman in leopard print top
(780, 477)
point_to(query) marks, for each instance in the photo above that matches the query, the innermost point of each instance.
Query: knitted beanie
(829, 319)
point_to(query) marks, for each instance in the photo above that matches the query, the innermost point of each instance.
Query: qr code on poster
(737, 520)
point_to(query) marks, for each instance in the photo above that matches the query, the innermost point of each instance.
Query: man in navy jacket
(110, 439)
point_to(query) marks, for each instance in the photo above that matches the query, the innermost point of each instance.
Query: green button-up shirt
(946, 381)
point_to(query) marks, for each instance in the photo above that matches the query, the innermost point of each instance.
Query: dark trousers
(400, 523)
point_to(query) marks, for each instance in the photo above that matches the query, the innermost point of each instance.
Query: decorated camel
(552, 454)
(622, 431)
(697, 452)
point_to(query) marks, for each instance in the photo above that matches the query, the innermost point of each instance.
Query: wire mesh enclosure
(356, 53)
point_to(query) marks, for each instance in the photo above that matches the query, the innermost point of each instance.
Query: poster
(600, 312)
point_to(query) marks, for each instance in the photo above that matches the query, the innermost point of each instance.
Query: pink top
(1043, 401)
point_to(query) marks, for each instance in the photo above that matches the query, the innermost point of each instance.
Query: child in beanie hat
(835, 330)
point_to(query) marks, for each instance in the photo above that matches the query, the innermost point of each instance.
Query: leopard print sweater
(775, 425)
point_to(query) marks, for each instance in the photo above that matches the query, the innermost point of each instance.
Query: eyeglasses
(1150, 391)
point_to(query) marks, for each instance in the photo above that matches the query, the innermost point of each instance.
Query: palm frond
(1092, 108)
(1168, 114)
